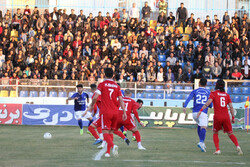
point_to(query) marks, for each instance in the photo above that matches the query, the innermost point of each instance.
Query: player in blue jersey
(80, 106)
(200, 96)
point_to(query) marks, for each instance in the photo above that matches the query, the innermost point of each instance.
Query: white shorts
(79, 115)
(202, 120)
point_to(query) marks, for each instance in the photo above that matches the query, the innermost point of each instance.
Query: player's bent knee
(134, 130)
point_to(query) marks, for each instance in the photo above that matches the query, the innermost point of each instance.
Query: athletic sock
(109, 142)
(93, 132)
(234, 140)
(133, 135)
(125, 129)
(112, 137)
(199, 131)
(139, 144)
(99, 130)
(216, 141)
(202, 135)
(137, 136)
(80, 123)
(120, 134)
(122, 128)
(90, 122)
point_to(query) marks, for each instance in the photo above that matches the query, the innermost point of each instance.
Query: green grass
(24, 146)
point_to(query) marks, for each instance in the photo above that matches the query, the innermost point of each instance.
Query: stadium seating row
(175, 96)
(24, 93)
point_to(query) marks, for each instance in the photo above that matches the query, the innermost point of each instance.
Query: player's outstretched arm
(187, 101)
(204, 106)
(231, 111)
(124, 116)
(70, 98)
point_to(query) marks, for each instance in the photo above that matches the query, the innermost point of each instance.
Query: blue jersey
(200, 96)
(80, 103)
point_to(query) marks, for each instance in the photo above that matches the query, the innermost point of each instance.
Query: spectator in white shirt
(134, 13)
(160, 76)
(171, 59)
(117, 44)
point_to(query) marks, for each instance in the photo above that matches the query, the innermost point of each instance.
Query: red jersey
(109, 92)
(97, 104)
(220, 101)
(131, 107)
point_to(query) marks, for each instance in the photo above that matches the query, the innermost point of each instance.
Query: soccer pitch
(23, 146)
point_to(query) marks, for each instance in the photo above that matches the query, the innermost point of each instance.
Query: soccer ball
(47, 135)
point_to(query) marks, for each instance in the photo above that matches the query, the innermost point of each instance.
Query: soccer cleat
(100, 147)
(218, 152)
(107, 155)
(239, 151)
(98, 141)
(125, 133)
(115, 150)
(141, 148)
(81, 131)
(133, 138)
(127, 141)
(201, 146)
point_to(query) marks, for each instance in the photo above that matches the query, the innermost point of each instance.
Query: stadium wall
(168, 117)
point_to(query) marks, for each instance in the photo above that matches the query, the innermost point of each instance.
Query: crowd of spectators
(78, 47)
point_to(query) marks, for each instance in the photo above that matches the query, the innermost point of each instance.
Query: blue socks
(122, 128)
(90, 122)
(199, 131)
(80, 123)
(202, 134)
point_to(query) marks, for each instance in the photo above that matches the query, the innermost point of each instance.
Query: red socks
(99, 130)
(109, 140)
(93, 132)
(120, 134)
(137, 136)
(234, 140)
(216, 141)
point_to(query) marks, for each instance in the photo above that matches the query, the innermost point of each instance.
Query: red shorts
(109, 121)
(129, 123)
(97, 122)
(222, 123)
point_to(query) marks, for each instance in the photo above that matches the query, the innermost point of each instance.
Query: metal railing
(200, 8)
(15, 88)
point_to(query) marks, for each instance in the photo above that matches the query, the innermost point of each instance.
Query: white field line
(198, 162)
(98, 155)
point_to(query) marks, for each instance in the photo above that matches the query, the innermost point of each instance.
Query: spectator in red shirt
(116, 15)
(237, 75)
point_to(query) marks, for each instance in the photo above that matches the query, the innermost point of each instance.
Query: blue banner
(50, 115)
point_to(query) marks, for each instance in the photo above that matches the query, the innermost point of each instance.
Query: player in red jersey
(222, 120)
(97, 123)
(110, 98)
(131, 108)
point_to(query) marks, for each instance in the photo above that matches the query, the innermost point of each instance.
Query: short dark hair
(109, 72)
(139, 101)
(79, 86)
(203, 81)
(127, 91)
(93, 86)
